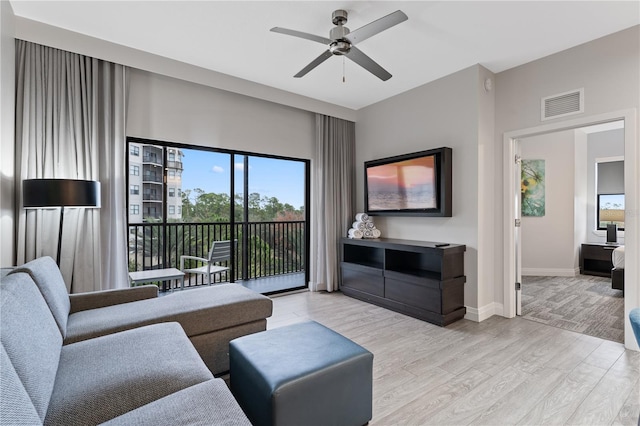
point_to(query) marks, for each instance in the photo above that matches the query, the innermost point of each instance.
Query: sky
(269, 177)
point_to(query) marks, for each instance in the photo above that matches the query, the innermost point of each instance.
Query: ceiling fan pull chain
(343, 78)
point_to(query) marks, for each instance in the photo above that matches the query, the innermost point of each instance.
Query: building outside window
(172, 209)
(135, 170)
(172, 192)
(134, 209)
(134, 189)
(134, 150)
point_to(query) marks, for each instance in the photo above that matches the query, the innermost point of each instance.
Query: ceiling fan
(342, 41)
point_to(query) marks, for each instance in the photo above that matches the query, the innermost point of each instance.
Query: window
(219, 188)
(610, 194)
(134, 150)
(611, 210)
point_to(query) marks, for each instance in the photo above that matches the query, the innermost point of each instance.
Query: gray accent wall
(456, 112)
(168, 109)
(7, 131)
(607, 68)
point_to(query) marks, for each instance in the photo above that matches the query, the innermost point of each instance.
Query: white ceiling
(439, 38)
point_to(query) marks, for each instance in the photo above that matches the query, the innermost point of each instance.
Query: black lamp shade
(38, 193)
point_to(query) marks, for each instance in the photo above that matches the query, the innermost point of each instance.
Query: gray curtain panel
(70, 123)
(333, 177)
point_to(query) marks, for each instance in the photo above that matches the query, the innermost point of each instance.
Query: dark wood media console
(415, 278)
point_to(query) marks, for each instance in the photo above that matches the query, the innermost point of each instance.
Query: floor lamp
(50, 193)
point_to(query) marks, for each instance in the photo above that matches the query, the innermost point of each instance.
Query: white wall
(7, 140)
(441, 113)
(169, 109)
(580, 197)
(607, 68)
(600, 145)
(548, 241)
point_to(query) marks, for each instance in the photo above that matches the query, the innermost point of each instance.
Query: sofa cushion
(30, 336)
(15, 405)
(46, 274)
(102, 378)
(199, 311)
(210, 403)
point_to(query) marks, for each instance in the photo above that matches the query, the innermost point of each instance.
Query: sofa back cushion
(31, 338)
(46, 274)
(15, 405)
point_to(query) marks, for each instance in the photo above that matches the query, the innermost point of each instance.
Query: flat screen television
(416, 184)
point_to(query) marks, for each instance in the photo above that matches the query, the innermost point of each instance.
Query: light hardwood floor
(498, 372)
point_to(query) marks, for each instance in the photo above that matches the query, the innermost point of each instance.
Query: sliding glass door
(181, 202)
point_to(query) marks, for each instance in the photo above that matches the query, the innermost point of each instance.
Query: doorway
(512, 264)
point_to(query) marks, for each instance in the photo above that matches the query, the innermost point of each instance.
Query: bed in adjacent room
(617, 273)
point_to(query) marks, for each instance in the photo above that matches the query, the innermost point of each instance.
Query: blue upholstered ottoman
(302, 374)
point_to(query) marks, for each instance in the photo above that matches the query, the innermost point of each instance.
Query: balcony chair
(220, 252)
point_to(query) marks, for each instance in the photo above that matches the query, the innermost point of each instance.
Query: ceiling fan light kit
(342, 41)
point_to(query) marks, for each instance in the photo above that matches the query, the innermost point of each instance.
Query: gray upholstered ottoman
(302, 374)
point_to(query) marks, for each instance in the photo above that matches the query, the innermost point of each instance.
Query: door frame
(632, 207)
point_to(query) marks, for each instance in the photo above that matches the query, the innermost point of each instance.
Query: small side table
(595, 259)
(151, 275)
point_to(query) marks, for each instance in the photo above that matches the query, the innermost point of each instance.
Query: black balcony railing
(263, 249)
(152, 159)
(150, 196)
(174, 165)
(150, 177)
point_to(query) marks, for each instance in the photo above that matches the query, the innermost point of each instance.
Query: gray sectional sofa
(59, 364)
(211, 316)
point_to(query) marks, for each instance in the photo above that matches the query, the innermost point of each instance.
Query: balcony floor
(265, 285)
(276, 283)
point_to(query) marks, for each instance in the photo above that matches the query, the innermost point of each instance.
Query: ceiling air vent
(563, 104)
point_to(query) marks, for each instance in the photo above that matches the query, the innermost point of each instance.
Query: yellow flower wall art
(532, 186)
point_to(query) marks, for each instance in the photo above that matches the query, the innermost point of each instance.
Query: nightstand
(595, 259)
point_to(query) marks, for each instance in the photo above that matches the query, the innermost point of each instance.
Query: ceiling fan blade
(300, 34)
(377, 26)
(357, 56)
(317, 61)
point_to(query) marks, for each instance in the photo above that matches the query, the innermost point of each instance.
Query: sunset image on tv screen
(406, 184)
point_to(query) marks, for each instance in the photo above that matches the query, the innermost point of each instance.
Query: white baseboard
(550, 272)
(498, 309)
(484, 312)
